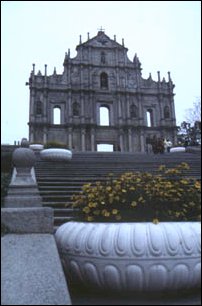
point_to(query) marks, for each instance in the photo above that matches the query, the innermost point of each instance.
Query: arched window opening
(38, 108)
(76, 109)
(166, 112)
(105, 147)
(104, 116)
(56, 115)
(133, 111)
(150, 121)
(104, 80)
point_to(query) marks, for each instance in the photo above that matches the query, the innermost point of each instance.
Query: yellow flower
(133, 204)
(118, 217)
(89, 218)
(141, 200)
(197, 185)
(184, 165)
(155, 221)
(86, 210)
(132, 188)
(114, 211)
(184, 182)
(92, 204)
(162, 167)
(96, 212)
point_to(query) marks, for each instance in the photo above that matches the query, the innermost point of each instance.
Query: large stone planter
(36, 147)
(56, 154)
(177, 149)
(132, 256)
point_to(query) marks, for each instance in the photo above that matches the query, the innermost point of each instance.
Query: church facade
(100, 98)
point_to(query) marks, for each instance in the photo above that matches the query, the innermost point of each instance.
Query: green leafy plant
(141, 197)
(6, 162)
(5, 180)
(55, 144)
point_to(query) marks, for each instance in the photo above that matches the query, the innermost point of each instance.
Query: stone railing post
(23, 190)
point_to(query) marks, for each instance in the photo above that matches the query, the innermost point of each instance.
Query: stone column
(23, 190)
(69, 107)
(121, 140)
(120, 119)
(32, 100)
(92, 140)
(45, 105)
(45, 136)
(83, 144)
(31, 134)
(161, 109)
(82, 109)
(141, 114)
(142, 143)
(70, 138)
(172, 111)
(128, 109)
(130, 140)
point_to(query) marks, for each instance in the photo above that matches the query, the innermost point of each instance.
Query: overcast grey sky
(166, 35)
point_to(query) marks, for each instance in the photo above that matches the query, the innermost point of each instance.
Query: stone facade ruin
(100, 79)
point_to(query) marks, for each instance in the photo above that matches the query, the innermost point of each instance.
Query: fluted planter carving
(56, 154)
(132, 256)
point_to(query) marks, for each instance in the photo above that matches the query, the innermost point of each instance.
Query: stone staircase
(58, 181)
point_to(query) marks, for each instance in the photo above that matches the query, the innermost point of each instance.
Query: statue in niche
(166, 112)
(75, 109)
(103, 58)
(104, 80)
(133, 111)
(38, 107)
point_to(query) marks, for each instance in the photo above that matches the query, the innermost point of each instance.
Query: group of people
(159, 145)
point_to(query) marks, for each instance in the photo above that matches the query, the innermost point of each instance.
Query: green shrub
(6, 162)
(55, 144)
(141, 197)
(5, 181)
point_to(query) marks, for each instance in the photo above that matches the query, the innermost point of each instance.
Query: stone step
(58, 190)
(58, 205)
(60, 220)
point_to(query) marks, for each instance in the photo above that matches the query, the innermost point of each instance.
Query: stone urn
(56, 154)
(131, 256)
(36, 147)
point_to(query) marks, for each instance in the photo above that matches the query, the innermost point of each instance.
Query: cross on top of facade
(101, 29)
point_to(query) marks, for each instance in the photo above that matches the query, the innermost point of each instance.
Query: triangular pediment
(101, 40)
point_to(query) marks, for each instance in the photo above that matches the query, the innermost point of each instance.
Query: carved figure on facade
(38, 107)
(166, 112)
(76, 108)
(133, 111)
(103, 58)
(103, 80)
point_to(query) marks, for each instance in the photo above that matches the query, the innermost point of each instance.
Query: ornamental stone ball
(24, 143)
(23, 157)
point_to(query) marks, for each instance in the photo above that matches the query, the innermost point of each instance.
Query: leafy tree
(189, 132)
(194, 114)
